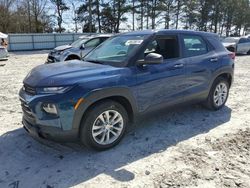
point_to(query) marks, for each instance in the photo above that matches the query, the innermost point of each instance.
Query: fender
(100, 94)
(223, 70)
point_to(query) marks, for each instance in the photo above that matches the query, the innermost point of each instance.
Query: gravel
(183, 147)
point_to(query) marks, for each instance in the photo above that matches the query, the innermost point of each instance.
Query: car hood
(226, 44)
(68, 73)
(63, 47)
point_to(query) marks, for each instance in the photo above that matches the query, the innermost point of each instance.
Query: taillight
(232, 55)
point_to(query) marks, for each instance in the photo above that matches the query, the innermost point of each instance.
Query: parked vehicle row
(93, 101)
(77, 50)
(239, 45)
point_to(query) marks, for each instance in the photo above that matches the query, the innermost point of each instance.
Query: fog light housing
(50, 108)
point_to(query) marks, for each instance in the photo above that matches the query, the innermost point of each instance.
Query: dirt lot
(187, 147)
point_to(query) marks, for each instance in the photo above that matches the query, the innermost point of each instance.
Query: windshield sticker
(133, 42)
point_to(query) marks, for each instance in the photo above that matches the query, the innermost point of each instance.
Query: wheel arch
(71, 57)
(226, 76)
(120, 95)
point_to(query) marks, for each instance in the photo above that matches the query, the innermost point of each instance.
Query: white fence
(41, 41)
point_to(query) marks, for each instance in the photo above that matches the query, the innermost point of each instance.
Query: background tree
(60, 8)
(225, 17)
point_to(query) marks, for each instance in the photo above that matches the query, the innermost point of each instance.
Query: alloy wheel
(220, 94)
(107, 127)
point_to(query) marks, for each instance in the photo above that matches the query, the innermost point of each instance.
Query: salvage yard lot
(187, 147)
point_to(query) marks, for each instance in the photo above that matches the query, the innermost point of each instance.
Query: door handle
(214, 59)
(178, 66)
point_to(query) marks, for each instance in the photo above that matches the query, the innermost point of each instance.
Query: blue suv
(95, 100)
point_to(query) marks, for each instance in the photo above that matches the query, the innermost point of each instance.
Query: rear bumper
(50, 133)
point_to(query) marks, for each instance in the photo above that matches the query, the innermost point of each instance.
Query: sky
(68, 22)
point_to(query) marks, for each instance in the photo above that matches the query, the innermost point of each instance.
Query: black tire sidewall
(90, 117)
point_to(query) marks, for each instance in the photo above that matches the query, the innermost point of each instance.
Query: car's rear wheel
(104, 125)
(248, 53)
(218, 94)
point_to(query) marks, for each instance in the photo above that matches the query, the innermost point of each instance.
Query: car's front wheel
(218, 94)
(104, 125)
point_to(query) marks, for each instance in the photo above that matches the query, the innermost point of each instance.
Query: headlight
(59, 52)
(47, 90)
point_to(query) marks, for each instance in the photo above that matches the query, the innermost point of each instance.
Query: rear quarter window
(194, 45)
(216, 43)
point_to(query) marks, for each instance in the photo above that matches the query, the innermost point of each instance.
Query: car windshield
(115, 50)
(231, 40)
(79, 42)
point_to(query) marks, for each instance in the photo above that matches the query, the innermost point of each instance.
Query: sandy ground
(187, 147)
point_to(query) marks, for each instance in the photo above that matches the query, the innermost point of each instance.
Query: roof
(236, 38)
(168, 31)
(95, 35)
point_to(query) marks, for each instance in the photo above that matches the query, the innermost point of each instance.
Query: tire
(248, 53)
(218, 94)
(95, 127)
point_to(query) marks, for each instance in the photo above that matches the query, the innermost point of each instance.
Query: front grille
(29, 90)
(28, 115)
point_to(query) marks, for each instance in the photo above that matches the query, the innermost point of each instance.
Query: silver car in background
(3, 53)
(239, 45)
(76, 50)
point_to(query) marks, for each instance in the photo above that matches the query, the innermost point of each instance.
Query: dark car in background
(76, 50)
(94, 101)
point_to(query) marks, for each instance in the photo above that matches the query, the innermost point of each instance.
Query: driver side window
(167, 46)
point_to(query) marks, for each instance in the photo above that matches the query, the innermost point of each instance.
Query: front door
(159, 84)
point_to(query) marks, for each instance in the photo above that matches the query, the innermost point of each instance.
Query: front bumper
(40, 124)
(50, 133)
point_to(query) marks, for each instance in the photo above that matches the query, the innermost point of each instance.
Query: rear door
(201, 60)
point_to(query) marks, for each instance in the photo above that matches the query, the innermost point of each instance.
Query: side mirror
(151, 58)
(83, 46)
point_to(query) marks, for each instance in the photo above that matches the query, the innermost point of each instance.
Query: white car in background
(239, 45)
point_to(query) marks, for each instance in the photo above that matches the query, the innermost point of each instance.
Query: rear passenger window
(194, 46)
(167, 46)
(244, 40)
